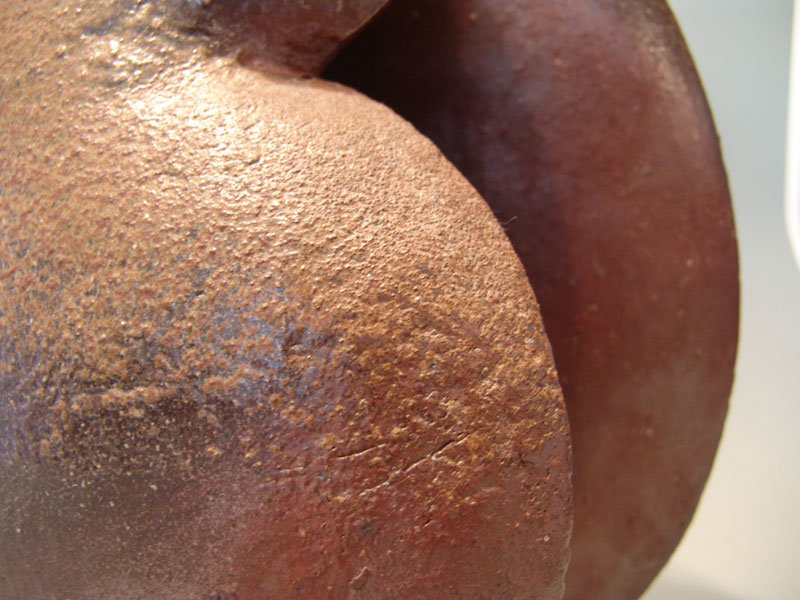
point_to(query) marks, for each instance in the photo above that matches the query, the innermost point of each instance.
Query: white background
(744, 542)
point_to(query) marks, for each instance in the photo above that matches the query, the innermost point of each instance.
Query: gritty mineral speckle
(214, 369)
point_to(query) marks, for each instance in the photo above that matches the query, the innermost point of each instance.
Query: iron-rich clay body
(583, 124)
(258, 338)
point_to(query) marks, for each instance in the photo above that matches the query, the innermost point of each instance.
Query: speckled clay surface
(583, 124)
(259, 339)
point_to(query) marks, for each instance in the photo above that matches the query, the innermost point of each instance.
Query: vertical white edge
(792, 201)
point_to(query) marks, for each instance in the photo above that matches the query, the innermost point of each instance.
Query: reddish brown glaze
(258, 338)
(584, 125)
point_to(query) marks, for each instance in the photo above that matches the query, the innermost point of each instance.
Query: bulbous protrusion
(258, 338)
(295, 37)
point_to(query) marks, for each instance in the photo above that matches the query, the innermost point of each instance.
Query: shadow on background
(670, 589)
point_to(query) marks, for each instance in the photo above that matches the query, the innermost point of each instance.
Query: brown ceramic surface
(258, 338)
(296, 36)
(584, 125)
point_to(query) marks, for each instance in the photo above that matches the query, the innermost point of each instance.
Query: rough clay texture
(584, 126)
(258, 338)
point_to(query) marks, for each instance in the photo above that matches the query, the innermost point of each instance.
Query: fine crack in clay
(433, 455)
(358, 453)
